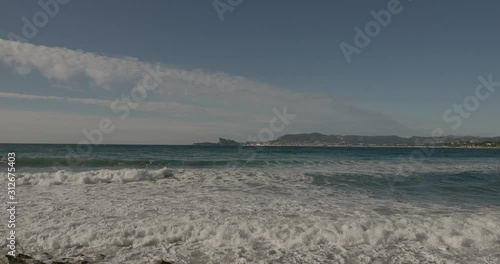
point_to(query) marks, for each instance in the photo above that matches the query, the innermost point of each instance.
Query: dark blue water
(462, 176)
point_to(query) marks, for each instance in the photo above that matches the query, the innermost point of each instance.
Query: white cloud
(198, 95)
(104, 103)
(151, 107)
(63, 64)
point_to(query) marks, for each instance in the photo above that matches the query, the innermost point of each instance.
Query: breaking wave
(63, 177)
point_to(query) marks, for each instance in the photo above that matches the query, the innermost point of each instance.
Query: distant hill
(320, 139)
(317, 139)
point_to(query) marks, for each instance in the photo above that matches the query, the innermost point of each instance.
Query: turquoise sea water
(447, 175)
(197, 204)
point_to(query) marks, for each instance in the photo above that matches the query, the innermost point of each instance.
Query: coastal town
(320, 140)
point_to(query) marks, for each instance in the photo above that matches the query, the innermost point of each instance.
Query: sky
(244, 69)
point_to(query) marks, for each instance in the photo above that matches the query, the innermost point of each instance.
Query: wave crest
(63, 177)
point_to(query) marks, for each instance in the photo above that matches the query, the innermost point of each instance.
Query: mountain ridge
(318, 139)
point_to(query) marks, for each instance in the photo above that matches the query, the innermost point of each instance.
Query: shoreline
(357, 146)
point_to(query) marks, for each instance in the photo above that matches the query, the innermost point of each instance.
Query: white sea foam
(240, 216)
(294, 172)
(63, 177)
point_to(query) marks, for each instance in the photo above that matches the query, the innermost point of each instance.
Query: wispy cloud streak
(193, 93)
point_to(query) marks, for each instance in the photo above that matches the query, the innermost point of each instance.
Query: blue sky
(224, 78)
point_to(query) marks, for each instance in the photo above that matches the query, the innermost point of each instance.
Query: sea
(217, 204)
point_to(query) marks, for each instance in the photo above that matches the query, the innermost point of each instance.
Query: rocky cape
(222, 142)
